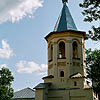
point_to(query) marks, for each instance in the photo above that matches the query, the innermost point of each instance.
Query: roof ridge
(24, 89)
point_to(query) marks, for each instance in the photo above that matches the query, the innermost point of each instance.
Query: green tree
(93, 68)
(91, 12)
(6, 78)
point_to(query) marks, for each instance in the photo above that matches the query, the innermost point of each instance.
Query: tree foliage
(6, 78)
(93, 68)
(91, 12)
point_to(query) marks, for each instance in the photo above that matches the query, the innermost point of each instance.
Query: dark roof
(65, 20)
(42, 86)
(26, 93)
(50, 76)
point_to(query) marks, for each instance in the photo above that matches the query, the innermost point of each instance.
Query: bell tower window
(75, 49)
(61, 50)
(62, 74)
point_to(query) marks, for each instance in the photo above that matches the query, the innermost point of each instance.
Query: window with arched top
(75, 49)
(61, 50)
(61, 73)
(51, 51)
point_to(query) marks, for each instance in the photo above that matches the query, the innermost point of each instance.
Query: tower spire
(63, 1)
(65, 20)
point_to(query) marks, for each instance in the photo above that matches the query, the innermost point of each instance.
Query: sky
(23, 26)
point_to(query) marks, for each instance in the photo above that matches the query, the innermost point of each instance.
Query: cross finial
(65, 1)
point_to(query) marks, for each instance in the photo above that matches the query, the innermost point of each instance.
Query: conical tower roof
(65, 21)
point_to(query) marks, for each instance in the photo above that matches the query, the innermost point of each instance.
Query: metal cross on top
(65, 1)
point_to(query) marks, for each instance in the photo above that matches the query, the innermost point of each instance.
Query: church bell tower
(66, 79)
(66, 51)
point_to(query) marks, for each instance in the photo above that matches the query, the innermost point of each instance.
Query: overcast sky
(23, 26)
